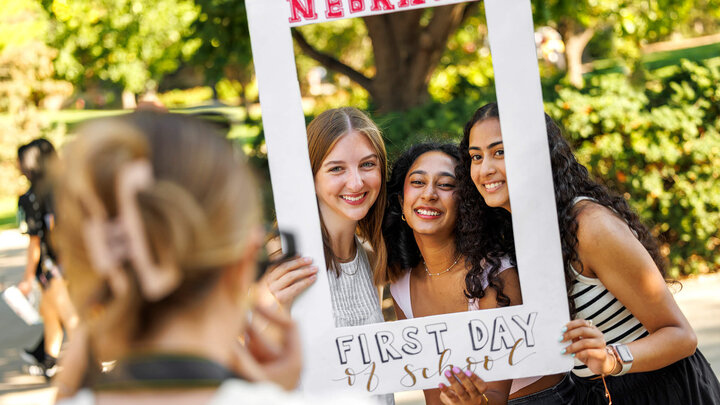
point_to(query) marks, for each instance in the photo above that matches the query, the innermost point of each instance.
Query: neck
(438, 252)
(341, 234)
(205, 331)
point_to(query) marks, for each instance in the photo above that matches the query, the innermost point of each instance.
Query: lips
(354, 199)
(427, 213)
(493, 186)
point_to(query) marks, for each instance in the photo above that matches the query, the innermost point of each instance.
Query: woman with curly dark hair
(626, 323)
(428, 273)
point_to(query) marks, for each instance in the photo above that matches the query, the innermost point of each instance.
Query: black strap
(165, 371)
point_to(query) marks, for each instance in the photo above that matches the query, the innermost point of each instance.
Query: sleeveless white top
(354, 297)
(594, 302)
(400, 291)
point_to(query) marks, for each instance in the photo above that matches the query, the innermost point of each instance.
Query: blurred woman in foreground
(158, 225)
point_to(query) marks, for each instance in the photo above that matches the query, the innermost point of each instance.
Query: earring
(402, 216)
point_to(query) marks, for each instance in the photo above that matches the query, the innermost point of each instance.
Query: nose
(429, 193)
(355, 180)
(487, 168)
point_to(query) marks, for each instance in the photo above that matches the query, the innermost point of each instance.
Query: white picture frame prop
(497, 344)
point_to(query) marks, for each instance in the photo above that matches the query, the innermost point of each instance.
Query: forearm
(662, 348)
(33, 257)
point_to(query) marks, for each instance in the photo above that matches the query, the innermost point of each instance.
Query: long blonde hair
(196, 216)
(323, 133)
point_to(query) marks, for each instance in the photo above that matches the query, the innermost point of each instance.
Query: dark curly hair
(487, 233)
(403, 252)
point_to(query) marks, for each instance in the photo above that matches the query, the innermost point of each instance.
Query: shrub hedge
(658, 145)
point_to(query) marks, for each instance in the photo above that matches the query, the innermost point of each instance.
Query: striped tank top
(594, 302)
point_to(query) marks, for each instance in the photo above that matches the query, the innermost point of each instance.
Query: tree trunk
(576, 38)
(406, 52)
(128, 100)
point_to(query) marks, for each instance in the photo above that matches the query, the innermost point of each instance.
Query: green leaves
(660, 147)
(132, 43)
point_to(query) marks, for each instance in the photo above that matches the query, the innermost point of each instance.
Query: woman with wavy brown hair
(430, 273)
(627, 330)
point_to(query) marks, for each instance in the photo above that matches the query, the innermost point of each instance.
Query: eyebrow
(339, 162)
(492, 145)
(423, 172)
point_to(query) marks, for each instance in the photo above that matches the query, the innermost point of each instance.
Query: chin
(357, 215)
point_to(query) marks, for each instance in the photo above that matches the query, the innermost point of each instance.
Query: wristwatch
(623, 356)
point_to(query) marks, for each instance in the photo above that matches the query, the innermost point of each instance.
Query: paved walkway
(699, 300)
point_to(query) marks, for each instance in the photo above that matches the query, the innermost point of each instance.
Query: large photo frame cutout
(497, 344)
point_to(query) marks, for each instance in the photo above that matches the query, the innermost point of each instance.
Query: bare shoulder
(598, 224)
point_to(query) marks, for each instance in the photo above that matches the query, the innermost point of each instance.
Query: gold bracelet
(487, 401)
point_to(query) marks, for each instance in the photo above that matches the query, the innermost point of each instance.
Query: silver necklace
(442, 272)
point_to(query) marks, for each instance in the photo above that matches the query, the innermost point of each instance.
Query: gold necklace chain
(442, 272)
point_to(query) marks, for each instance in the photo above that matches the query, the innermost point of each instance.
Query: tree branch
(330, 62)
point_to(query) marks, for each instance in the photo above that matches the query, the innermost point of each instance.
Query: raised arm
(610, 251)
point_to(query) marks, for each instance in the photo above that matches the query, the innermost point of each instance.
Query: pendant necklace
(444, 271)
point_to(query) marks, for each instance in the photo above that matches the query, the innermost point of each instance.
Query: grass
(8, 211)
(657, 60)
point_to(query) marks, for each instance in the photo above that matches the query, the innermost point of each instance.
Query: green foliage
(128, 42)
(21, 21)
(185, 98)
(224, 49)
(659, 146)
(26, 81)
(627, 24)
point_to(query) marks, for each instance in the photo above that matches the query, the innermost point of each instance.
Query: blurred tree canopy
(632, 23)
(224, 50)
(131, 43)
(27, 81)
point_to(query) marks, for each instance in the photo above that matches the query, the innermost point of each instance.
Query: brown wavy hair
(488, 232)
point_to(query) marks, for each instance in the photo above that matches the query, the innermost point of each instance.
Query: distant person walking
(35, 210)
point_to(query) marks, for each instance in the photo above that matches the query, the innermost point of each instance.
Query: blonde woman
(158, 223)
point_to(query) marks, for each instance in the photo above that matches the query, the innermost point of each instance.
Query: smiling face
(487, 169)
(428, 201)
(349, 179)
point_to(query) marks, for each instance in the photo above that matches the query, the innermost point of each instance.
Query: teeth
(492, 186)
(427, 212)
(352, 199)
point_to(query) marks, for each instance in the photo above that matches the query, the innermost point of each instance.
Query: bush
(659, 146)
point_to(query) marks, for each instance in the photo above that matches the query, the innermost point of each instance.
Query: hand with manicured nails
(588, 346)
(465, 388)
(258, 358)
(288, 279)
